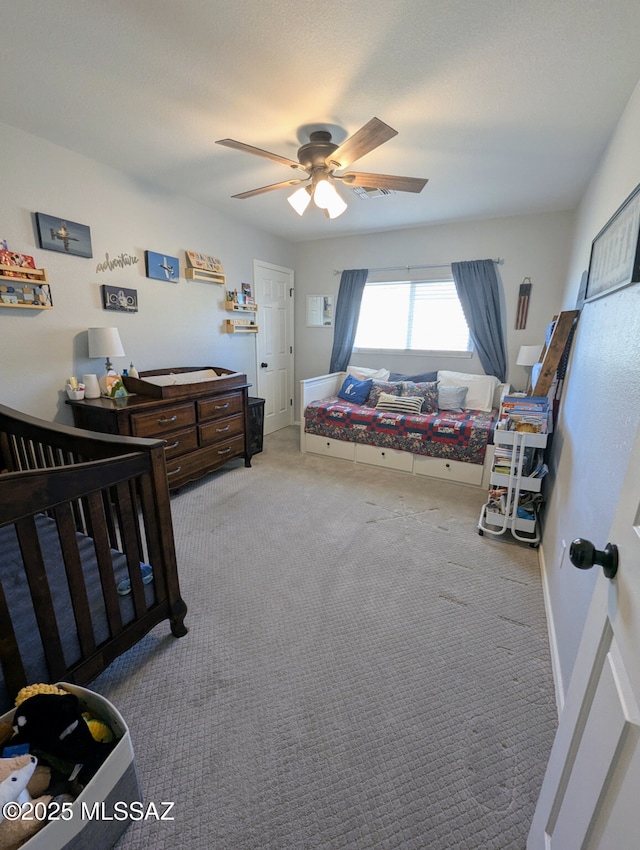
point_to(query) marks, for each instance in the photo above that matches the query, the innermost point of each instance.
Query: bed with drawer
(448, 442)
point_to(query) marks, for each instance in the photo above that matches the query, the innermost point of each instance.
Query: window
(412, 315)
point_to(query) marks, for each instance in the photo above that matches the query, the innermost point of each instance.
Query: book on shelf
(524, 413)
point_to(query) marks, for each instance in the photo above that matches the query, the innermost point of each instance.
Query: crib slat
(10, 659)
(73, 566)
(127, 518)
(155, 552)
(41, 595)
(97, 522)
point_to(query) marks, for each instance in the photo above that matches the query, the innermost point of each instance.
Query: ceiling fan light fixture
(324, 193)
(336, 206)
(300, 199)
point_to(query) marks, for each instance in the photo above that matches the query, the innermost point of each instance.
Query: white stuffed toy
(15, 774)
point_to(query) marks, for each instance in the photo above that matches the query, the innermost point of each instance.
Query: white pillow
(480, 388)
(362, 373)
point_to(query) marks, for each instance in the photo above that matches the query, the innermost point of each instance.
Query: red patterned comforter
(456, 436)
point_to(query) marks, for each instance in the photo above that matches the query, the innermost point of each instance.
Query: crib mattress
(16, 590)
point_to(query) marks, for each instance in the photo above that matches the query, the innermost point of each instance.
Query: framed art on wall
(66, 237)
(161, 267)
(615, 252)
(120, 299)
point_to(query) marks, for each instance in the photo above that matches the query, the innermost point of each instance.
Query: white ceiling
(506, 106)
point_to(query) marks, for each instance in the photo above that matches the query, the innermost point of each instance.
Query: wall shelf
(206, 275)
(234, 307)
(240, 326)
(28, 292)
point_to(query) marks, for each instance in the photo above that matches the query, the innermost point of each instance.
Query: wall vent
(362, 192)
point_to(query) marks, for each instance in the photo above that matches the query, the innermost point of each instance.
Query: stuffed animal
(15, 775)
(53, 726)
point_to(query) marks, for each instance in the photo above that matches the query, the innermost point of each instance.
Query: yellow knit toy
(32, 690)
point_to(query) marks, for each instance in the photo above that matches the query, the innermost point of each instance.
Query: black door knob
(263, 365)
(584, 555)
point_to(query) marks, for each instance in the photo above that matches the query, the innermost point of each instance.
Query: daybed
(87, 556)
(448, 444)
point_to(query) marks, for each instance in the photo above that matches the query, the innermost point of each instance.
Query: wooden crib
(87, 555)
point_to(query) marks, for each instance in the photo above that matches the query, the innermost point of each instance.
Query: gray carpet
(363, 670)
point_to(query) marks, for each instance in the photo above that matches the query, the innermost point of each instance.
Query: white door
(590, 796)
(274, 350)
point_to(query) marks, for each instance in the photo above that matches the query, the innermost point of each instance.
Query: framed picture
(119, 299)
(319, 311)
(161, 267)
(615, 252)
(66, 237)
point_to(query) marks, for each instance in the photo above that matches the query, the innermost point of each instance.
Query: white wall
(601, 402)
(178, 324)
(536, 246)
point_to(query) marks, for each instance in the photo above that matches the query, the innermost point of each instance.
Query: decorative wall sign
(119, 262)
(523, 304)
(161, 267)
(615, 252)
(119, 299)
(66, 237)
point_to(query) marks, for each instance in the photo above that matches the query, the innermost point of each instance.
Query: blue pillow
(354, 390)
(417, 379)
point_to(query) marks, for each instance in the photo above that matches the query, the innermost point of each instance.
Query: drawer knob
(224, 451)
(164, 421)
(172, 446)
(221, 406)
(222, 430)
(174, 471)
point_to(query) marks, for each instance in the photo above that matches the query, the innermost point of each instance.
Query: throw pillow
(417, 379)
(480, 388)
(363, 372)
(427, 391)
(452, 398)
(354, 391)
(378, 387)
(399, 404)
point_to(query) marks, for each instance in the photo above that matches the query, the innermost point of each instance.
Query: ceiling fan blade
(252, 192)
(383, 181)
(368, 137)
(240, 146)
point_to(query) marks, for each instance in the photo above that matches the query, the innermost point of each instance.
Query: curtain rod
(499, 261)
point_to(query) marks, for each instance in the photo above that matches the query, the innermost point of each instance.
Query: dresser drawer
(222, 405)
(454, 470)
(221, 429)
(162, 420)
(180, 442)
(188, 467)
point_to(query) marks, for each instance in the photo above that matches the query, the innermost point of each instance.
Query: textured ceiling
(505, 106)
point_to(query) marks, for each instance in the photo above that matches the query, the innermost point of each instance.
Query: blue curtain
(346, 318)
(479, 293)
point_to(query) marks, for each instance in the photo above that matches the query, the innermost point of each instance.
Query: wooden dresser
(204, 425)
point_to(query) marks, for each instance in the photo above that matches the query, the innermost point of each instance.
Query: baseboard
(553, 643)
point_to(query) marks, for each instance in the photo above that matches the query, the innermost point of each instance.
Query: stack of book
(524, 413)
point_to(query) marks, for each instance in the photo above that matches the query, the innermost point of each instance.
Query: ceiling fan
(320, 158)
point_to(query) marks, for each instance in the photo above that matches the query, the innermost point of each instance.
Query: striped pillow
(399, 404)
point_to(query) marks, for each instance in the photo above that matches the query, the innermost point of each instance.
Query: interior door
(589, 797)
(274, 350)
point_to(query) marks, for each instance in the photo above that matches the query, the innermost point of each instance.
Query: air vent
(361, 192)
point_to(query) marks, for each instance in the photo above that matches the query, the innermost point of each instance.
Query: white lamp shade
(336, 206)
(105, 342)
(300, 200)
(324, 194)
(528, 355)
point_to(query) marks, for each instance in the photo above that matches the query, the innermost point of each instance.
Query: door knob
(263, 365)
(583, 555)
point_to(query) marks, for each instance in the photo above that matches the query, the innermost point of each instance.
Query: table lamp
(105, 342)
(528, 356)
